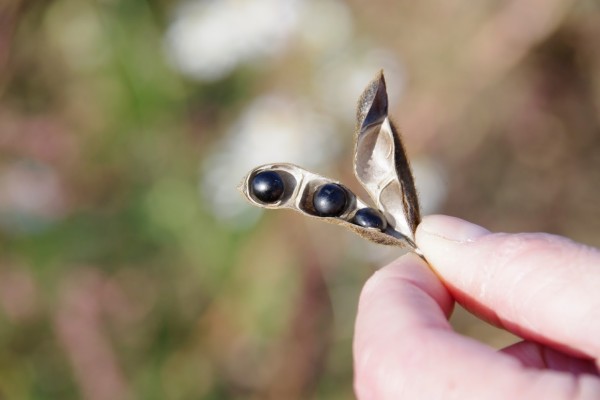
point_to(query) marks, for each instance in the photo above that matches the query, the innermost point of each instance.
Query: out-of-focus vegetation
(130, 267)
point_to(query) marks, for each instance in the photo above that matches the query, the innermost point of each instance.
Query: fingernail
(451, 228)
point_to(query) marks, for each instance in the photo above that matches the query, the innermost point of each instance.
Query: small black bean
(330, 200)
(267, 186)
(370, 218)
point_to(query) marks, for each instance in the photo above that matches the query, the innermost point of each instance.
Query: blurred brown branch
(82, 333)
(304, 347)
(499, 45)
(10, 12)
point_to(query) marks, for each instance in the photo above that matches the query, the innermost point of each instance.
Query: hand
(543, 288)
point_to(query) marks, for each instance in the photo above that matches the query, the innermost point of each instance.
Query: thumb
(539, 286)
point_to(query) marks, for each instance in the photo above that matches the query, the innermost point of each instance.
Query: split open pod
(381, 167)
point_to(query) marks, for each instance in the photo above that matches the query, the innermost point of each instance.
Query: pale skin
(541, 287)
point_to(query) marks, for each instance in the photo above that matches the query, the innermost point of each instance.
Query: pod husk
(380, 162)
(381, 167)
(300, 186)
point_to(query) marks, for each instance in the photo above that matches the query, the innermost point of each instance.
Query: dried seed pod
(380, 162)
(300, 187)
(381, 166)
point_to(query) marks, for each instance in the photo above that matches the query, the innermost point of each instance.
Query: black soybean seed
(370, 218)
(267, 186)
(330, 200)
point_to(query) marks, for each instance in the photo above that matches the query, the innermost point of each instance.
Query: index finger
(541, 287)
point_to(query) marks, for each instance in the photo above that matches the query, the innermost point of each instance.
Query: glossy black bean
(267, 187)
(370, 218)
(330, 200)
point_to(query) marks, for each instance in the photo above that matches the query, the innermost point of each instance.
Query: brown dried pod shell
(380, 162)
(300, 186)
(380, 165)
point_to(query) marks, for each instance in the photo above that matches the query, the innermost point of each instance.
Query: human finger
(404, 347)
(541, 287)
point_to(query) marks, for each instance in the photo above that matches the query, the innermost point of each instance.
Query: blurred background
(129, 265)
